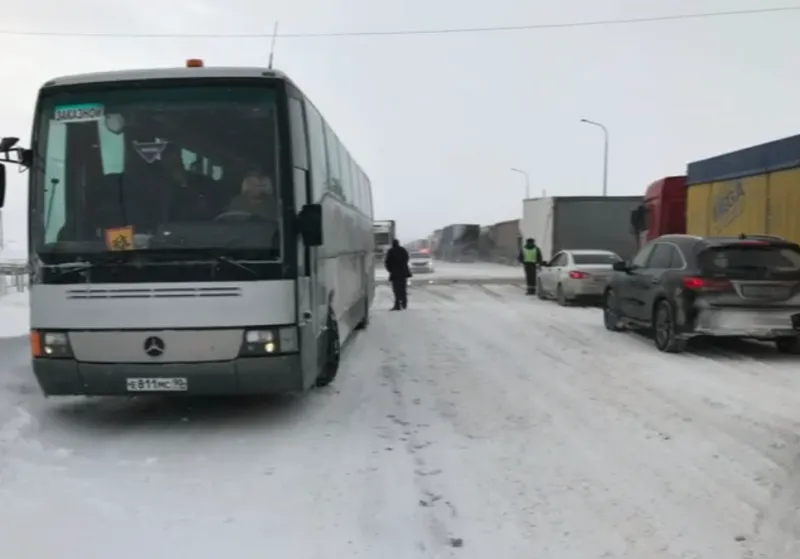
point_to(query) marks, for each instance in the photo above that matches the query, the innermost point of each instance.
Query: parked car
(421, 262)
(683, 286)
(576, 275)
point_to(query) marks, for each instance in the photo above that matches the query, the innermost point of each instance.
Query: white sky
(437, 121)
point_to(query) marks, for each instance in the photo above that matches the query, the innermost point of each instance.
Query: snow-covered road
(478, 424)
(451, 271)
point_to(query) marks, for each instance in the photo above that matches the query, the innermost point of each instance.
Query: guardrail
(13, 278)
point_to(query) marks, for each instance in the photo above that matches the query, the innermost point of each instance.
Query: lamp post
(527, 181)
(605, 151)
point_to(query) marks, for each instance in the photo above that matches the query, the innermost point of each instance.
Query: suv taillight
(694, 283)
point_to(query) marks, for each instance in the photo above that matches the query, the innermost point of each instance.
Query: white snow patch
(14, 315)
(456, 270)
(477, 423)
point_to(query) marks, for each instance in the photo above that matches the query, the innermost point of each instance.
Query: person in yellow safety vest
(531, 258)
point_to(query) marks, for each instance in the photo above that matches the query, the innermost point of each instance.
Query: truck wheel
(790, 344)
(664, 334)
(561, 297)
(333, 352)
(611, 312)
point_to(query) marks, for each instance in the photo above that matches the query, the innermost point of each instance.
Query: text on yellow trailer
(752, 191)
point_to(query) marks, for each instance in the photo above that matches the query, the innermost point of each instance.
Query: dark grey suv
(682, 286)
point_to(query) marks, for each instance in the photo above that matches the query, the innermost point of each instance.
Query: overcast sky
(437, 121)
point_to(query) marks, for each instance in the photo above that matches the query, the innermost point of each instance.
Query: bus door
(310, 308)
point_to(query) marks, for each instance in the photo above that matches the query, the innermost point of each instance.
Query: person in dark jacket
(531, 258)
(397, 265)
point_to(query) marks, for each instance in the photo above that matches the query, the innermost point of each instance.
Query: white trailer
(580, 222)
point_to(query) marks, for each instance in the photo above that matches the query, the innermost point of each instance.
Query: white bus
(197, 230)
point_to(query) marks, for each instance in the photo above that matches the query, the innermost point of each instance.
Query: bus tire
(362, 325)
(333, 348)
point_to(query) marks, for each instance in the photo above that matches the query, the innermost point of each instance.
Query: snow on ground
(478, 423)
(14, 317)
(453, 270)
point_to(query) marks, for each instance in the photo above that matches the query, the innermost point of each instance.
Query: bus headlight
(52, 345)
(269, 341)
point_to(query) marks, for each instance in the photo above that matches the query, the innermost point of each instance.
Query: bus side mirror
(2, 185)
(309, 222)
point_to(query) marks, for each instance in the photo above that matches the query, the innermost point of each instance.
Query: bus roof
(167, 73)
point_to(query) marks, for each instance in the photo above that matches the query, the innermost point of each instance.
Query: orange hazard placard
(119, 238)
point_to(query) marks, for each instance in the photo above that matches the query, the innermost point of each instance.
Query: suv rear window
(751, 260)
(420, 255)
(595, 258)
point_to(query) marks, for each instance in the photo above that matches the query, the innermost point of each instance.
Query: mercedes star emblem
(154, 346)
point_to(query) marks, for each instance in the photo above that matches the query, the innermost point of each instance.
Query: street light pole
(605, 151)
(527, 181)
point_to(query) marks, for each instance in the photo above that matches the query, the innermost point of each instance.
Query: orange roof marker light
(194, 63)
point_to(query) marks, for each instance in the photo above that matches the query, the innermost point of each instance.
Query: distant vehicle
(434, 243)
(580, 222)
(421, 262)
(576, 275)
(751, 190)
(459, 243)
(683, 286)
(662, 212)
(384, 232)
(133, 294)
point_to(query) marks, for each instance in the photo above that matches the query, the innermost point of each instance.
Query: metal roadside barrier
(13, 278)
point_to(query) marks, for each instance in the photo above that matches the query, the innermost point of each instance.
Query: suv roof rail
(765, 237)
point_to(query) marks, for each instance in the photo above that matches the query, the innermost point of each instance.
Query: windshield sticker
(119, 238)
(79, 113)
(150, 151)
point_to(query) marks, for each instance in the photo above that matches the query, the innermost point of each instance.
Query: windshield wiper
(67, 268)
(234, 263)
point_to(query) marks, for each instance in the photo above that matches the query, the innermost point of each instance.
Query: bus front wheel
(332, 352)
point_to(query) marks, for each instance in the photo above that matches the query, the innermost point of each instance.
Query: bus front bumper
(242, 376)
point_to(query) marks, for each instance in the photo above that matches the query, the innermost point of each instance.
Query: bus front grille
(90, 292)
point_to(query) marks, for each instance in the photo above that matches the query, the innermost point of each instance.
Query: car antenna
(272, 46)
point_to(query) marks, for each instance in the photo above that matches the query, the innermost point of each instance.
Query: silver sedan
(575, 274)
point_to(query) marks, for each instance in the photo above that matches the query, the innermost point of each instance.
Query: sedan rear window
(750, 260)
(599, 258)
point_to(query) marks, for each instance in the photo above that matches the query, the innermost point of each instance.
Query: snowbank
(14, 317)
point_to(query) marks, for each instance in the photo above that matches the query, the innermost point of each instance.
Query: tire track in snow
(413, 437)
(573, 372)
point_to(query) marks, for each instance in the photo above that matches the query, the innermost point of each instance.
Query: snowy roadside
(478, 423)
(14, 316)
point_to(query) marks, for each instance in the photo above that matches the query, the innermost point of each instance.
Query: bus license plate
(157, 385)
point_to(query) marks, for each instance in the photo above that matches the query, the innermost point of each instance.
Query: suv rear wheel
(664, 334)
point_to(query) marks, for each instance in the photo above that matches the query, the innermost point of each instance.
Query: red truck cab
(663, 210)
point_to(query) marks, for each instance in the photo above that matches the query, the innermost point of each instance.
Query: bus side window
(298, 130)
(334, 174)
(317, 152)
(347, 181)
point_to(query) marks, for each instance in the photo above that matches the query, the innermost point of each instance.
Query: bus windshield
(157, 168)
